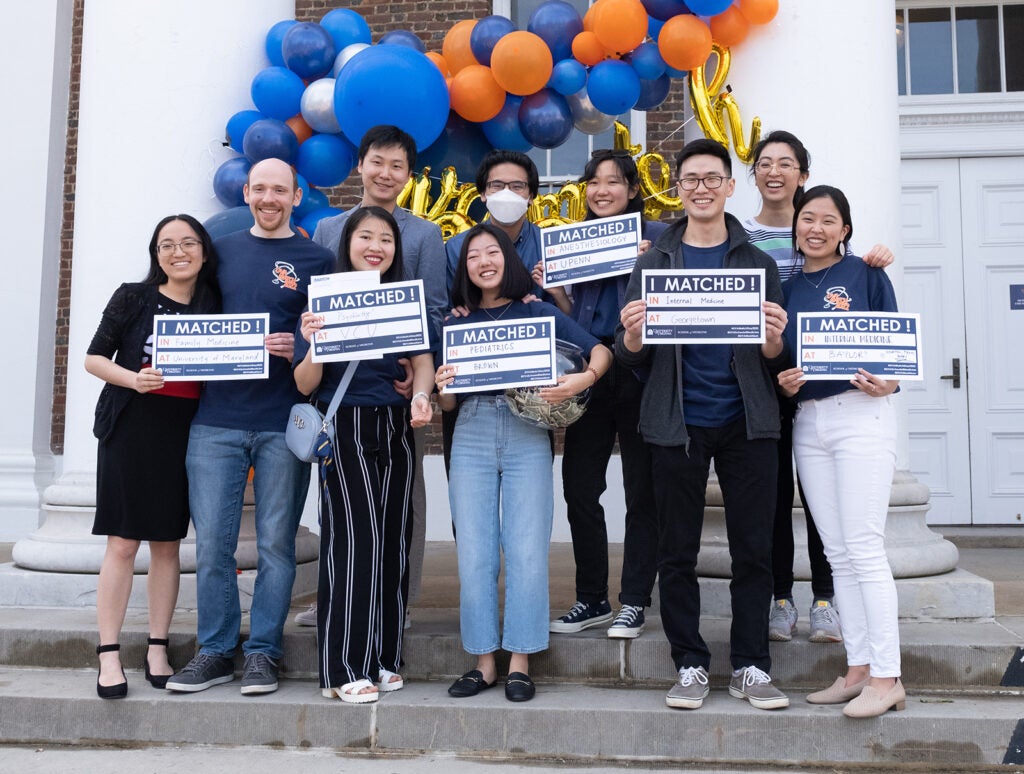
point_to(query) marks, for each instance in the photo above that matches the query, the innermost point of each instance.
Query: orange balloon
(730, 27)
(439, 60)
(621, 25)
(297, 124)
(455, 49)
(587, 49)
(759, 11)
(475, 95)
(521, 63)
(590, 17)
(684, 42)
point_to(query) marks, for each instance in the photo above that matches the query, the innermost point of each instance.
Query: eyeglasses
(168, 248)
(611, 153)
(710, 182)
(515, 186)
(785, 166)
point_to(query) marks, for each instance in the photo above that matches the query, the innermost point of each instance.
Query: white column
(32, 154)
(159, 81)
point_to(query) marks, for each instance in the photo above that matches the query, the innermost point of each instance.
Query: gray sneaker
(825, 622)
(755, 686)
(202, 672)
(307, 617)
(690, 691)
(782, 620)
(259, 675)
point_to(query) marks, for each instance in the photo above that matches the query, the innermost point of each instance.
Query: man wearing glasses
(711, 402)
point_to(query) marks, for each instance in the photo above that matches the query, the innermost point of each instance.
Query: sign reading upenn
(501, 354)
(210, 347)
(590, 250)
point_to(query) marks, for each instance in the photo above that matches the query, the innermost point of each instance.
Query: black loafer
(470, 684)
(519, 687)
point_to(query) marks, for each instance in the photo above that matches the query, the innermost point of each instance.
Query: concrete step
(568, 721)
(943, 657)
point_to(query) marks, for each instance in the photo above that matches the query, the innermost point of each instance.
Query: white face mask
(506, 207)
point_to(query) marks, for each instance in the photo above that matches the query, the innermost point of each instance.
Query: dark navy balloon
(486, 32)
(545, 119)
(557, 23)
(308, 50)
(270, 139)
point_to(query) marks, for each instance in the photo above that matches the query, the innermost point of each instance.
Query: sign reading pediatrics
(501, 354)
(590, 250)
(693, 306)
(834, 346)
(364, 319)
(210, 347)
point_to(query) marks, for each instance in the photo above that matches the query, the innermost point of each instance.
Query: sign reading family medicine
(834, 345)
(210, 347)
(501, 354)
(590, 249)
(363, 322)
(693, 306)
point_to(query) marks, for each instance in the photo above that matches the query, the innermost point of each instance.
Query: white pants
(845, 450)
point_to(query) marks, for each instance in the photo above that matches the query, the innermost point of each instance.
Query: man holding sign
(704, 402)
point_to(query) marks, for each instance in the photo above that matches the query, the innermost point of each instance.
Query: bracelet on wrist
(416, 395)
(593, 370)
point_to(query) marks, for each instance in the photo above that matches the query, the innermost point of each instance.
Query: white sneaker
(307, 617)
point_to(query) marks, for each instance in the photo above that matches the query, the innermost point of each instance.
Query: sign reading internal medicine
(589, 250)
(363, 322)
(210, 347)
(501, 354)
(833, 345)
(693, 306)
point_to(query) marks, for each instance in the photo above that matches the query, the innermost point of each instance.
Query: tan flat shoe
(871, 703)
(837, 693)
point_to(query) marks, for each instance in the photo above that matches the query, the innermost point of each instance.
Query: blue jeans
(502, 499)
(218, 463)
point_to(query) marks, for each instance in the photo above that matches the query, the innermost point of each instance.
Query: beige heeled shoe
(871, 703)
(838, 692)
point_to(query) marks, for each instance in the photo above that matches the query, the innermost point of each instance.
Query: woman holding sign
(844, 438)
(142, 424)
(501, 489)
(365, 485)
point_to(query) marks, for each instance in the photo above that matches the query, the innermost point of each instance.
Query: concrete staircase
(597, 698)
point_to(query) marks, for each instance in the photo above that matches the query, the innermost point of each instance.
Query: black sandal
(118, 691)
(519, 687)
(470, 684)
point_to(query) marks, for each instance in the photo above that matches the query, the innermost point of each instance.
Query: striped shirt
(778, 243)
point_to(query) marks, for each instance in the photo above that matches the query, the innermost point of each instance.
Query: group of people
(672, 409)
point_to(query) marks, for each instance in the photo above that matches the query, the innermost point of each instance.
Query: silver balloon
(345, 54)
(317, 106)
(585, 117)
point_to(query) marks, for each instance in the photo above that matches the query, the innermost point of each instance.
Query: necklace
(823, 276)
(500, 314)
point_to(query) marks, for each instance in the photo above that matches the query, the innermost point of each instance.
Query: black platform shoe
(118, 691)
(157, 681)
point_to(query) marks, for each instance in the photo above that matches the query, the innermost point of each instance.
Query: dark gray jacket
(662, 420)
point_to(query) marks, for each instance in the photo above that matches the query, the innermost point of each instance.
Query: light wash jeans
(501, 493)
(845, 449)
(218, 463)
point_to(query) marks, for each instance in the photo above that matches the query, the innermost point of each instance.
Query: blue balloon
(652, 92)
(277, 92)
(654, 27)
(503, 130)
(230, 179)
(708, 7)
(302, 185)
(346, 27)
(486, 32)
(311, 201)
(674, 73)
(391, 85)
(269, 138)
(462, 145)
(403, 38)
(325, 159)
(308, 51)
(557, 23)
(613, 87)
(275, 35)
(237, 124)
(568, 77)
(663, 10)
(228, 222)
(545, 119)
(310, 220)
(647, 61)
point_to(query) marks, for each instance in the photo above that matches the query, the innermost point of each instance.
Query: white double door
(963, 259)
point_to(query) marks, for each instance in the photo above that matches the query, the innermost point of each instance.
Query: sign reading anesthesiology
(831, 345)
(500, 354)
(589, 250)
(695, 306)
(210, 347)
(366, 321)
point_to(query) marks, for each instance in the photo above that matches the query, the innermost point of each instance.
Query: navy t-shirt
(711, 394)
(261, 275)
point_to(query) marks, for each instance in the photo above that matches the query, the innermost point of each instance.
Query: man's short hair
(496, 157)
(387, 136)
(705, 147)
